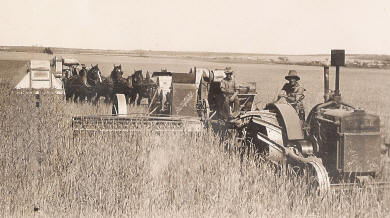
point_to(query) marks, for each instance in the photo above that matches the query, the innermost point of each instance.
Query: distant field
(352, 60)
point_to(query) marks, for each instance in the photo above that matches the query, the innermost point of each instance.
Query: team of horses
(89, 85)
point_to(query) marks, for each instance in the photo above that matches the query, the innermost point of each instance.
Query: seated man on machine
(292, 92)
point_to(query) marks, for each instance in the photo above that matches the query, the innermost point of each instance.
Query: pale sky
(255, 26)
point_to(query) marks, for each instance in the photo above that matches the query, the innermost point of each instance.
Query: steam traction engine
(347, 139)
(337, 145)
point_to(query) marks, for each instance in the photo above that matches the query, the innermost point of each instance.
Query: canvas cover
(28, 83)
(184, 100)
(39, 65)
(164, 83)
(40, 77)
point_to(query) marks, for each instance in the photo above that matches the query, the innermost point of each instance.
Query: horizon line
(184, 51)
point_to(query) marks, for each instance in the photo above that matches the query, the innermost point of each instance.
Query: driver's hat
(228, 70)
(292, 74)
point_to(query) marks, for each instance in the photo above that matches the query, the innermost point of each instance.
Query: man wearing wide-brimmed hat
(293, 93)
(230, 92)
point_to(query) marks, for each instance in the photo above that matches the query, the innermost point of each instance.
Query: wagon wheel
(317, 176)
(205, 109)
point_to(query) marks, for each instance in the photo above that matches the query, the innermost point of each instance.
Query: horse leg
(130, 99)
(91, 93)
(133, 96)
(75, 97)
(110, 95)
(81, 96)
(90, 96)
(67, 96)
(139, 99)
(86, 97)
(97, 98)
(107, 99)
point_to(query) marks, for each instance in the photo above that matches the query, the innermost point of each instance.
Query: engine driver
(292, 92)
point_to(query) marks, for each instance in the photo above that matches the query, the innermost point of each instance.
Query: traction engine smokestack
(337, 85)
(326, 83)
(337, 60)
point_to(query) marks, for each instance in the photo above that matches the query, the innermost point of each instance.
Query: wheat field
(45, 172)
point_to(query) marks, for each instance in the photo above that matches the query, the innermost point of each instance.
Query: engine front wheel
(317, 177)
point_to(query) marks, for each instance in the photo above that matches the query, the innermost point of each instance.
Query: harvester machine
(123, 122)
(337, 146)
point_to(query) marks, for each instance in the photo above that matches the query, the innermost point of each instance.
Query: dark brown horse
(103, 86)
(120, 84)
(141, 87)
(116, 73)
(109, 86)
(80, 87)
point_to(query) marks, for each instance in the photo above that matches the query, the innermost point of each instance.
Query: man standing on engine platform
(230, 92)
(293, 93)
